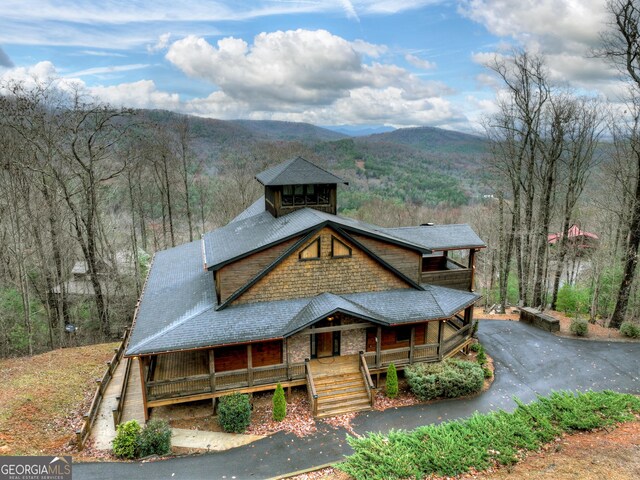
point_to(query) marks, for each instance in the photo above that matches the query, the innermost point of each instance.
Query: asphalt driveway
(528, 362)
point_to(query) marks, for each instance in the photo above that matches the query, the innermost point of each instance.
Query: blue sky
(361, 62)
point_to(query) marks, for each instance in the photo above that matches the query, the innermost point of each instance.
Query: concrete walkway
(528, 362)
(213, 441)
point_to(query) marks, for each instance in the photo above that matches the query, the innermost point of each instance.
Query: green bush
(487, 372)
(475, 347)
(481, 357)
(391, 386)
(573, 299)
(234, 413)
(279, 404)
(630, 330)
(483, 440)
(155, 438)
(127, 441)
(579, 327)
(448, 379)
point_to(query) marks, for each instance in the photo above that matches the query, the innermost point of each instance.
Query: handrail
(368, 383)
(312, 388)
(117, 412)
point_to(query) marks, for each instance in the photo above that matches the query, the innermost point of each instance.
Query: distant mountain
(289, 131)
(432, 139)
(359, 131)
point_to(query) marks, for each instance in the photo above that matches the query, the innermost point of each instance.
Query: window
(323, 194)
(403, 334)
(339, 249)
(305, 195)
(287, 195)
(312, 251)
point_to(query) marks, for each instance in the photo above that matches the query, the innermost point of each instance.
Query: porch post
(472, 266)
(141, 361)
(378, 346)
(212, 370)
(249, 366)
(412, 344)
(440, 335)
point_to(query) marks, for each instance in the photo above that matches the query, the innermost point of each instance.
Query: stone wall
(299, 348)
(294, 278)
(353, 341)
(538, 319)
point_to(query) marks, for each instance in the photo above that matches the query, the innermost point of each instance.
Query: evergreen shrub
(630, 330)
(126, 444)
(279, 404)
(448, 379)
(391, 385)
(155, 438)
(579, 327)
(234, 413)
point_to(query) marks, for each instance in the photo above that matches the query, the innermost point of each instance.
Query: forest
(88, 193)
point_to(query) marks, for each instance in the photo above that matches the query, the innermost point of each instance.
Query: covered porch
(199, 374)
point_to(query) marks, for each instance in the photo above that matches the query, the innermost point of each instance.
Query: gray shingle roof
(253, 233)
(177, 310)
(439, 237)
(296, 171)
(254, 209)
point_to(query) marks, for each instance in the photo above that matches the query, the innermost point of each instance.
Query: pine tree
(392, 382)
(279, 404)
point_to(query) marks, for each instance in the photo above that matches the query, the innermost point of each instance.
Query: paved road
(528, 362)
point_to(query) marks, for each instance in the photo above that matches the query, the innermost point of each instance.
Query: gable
(236, 275)
(405, 260)
(333, 271)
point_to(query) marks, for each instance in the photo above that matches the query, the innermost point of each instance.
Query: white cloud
(100, 53)
(141, 94)
(419, 62)
(369, 49)
(107, 70)
(565, 31)
(350, 10)
(161, 44)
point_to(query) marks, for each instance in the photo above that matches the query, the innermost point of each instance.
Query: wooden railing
(366, 376)
(117, 412)
(459, 278)
(427, 351)
(89, 418)
(311, 388)
(454, 341)
(246, 377)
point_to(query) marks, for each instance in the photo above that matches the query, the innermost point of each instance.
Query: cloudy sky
(326, 62)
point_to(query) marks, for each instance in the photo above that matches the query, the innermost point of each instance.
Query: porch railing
(311, 388)
(366, 376)
(197, 384)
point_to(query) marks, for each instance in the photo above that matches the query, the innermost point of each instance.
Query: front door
(324, 344)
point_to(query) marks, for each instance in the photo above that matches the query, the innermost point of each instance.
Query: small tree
(279, 404)
(155, 438)
(392, 382)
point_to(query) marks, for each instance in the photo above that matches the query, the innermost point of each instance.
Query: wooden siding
(402, 259)
(389, 336)
(230, 358)
(266, 353)
(293, 278)
(237, 274)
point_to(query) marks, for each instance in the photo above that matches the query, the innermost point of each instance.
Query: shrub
(487, 372)
(481, 357)
(279, 404)
(234, 412)
(155, 438)
(579, 327)
(391, 385)
(449, 379)
(483, 440)
(475, 347)
(127, 440)
(573, 299)
(630, 330)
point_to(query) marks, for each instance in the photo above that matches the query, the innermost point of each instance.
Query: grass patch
(43, 397)
(484, 440)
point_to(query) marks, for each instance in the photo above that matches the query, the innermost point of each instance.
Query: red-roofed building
(578, 239)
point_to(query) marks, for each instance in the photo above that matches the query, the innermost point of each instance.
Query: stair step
(327, 410)
(337, 376)
(343, 390)
(336, 385)
(342, 411)
(344, 400)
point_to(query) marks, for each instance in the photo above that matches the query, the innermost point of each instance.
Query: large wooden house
(291, 292)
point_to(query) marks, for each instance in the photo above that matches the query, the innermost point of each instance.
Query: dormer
(297, 184)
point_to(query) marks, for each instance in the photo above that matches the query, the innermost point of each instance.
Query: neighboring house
(578, 240)
(290, 292)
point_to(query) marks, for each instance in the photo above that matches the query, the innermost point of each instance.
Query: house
(291, 292)
(578, 241)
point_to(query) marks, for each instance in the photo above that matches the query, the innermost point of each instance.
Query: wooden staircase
(340, 386)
